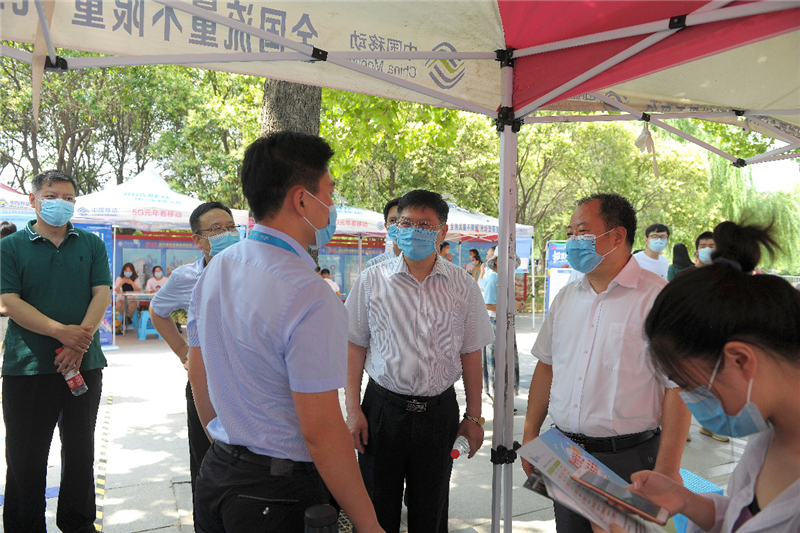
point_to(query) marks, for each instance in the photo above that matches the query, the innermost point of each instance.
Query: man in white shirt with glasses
(593, 373)
(417, 324)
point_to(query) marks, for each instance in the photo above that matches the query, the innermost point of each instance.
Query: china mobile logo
(446, 73)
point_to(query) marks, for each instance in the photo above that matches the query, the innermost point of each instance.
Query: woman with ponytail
(732, 341)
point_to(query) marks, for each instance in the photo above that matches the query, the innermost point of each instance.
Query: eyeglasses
(216, 229)
(70, 199)
(407, 223)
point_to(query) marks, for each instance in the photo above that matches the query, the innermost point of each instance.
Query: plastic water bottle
(460, 447)
(74, 379)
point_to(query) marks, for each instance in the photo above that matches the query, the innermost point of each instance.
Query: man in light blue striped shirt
(272, 339)
(417, 324)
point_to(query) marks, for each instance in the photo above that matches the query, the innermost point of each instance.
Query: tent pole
(359, 255)
(502, 475)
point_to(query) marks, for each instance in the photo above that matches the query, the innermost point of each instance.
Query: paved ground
(142, 452)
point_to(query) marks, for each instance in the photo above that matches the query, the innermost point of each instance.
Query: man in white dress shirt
(417, 324)
(390, 222)
(272, 354)
(593, 372)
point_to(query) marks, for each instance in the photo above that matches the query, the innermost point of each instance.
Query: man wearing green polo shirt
(55, 287)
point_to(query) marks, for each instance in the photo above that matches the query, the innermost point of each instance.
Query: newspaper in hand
(556, 458)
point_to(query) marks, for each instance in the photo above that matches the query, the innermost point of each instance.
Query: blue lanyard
(273, 240)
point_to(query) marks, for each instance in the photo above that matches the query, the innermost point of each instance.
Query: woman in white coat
(732, 340)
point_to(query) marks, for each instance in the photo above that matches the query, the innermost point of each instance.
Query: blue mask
(56, 212)
(704, 255)
(323, 236)
(581, 252)
(222, 241)
(392, 232)
(128, 274)
(658, 245)
(416, 243)
(707, 409)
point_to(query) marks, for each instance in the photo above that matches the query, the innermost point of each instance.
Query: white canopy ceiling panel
(368, 28)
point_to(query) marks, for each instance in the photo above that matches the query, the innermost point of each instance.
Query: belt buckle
(415, 406)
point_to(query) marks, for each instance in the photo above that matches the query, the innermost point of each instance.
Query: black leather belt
(277, 466)
(611, 444)
(414, 404)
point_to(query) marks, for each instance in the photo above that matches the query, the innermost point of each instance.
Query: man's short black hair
(202, 209)
(703, 236)
(389, 205)
(48, 177)
(325, 272)
(656, 228)
(616, 211)
(274, 164)
(443, 245)
(423, 198)
(7, 228)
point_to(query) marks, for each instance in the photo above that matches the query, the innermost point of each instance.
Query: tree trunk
(291, 106)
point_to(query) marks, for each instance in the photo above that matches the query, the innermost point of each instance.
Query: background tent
(733, 62)
(144, 202)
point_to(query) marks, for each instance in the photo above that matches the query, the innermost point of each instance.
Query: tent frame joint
(739, 112)
(505, 57)
(739, 163)
(645, 117)
(319, 54)
(60, 65)
(678, 22)
(505, 456)
(505, 117)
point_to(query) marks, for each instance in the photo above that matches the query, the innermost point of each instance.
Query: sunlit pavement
(142, 451)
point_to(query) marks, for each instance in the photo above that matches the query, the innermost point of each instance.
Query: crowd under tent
(516, 62)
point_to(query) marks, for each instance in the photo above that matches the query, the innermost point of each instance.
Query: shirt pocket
(443, 331)
(624, 350)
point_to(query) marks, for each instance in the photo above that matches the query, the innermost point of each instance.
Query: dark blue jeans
(32, 407)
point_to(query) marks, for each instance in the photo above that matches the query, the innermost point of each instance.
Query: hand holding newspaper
(556, 458)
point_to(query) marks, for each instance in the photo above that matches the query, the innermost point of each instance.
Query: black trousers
(32, 407)
(235, 496)
(413, 448)
(198, 440)
(623, 463)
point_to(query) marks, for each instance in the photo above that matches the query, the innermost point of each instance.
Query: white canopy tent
(144, 202)
(733, 62)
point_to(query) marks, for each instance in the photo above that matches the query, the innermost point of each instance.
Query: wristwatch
(480, 421)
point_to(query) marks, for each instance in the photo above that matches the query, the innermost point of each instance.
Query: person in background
(488, 352)
(127, 281)
(656, 239)
(157, 281)
(6, 229)
(266, 382)
(318, 270)
(326, 275)
(704, 249)
(591, 375)
(680, 261)
(390, 221)
(444, 251)
(417, 325)
(484, 269)
(474, 262)
(732, 341)
(213, 230)
(54, 286)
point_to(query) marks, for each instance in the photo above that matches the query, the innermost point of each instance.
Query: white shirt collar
(301, 252)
